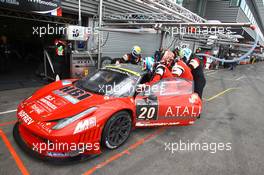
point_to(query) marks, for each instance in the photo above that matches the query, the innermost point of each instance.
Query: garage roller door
(120, 43)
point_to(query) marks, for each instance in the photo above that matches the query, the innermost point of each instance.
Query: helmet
(198, 50)
(148, 63)
(136, 51)
(167, 58)
(186, 52)
(176, 51)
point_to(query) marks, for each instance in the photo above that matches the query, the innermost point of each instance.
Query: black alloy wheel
(117, 130)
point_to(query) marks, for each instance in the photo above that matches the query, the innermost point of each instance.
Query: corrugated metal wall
(221, 10)
(120, 43)
(90, 7)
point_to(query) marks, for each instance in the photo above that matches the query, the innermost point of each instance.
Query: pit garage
(227, 139)
(24, 53)
(23, 42)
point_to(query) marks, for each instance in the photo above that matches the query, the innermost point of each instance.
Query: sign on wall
(78, 33)
(46, 7)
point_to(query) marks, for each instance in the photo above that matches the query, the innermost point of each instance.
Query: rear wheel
(117, 130)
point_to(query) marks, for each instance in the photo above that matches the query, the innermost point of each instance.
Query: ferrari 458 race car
(74, 118)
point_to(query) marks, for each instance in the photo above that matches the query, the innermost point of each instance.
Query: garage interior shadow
(21, 55)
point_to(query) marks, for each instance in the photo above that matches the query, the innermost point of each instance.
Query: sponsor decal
(53, 154)
(85, 124)
(72, 94)
(48, 7)
(193, 99)
(180, 111)
(37, 109)
(106, 97)
(47, 101)
(71, 99)
(147, 109)
(140, 124)
(25, 117)
(78, 33)
(44, 126)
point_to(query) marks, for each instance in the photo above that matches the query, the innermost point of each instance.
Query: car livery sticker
(182, 111)
(48, 103)
(25, 117)
(140, 124)
(85, 124)
(44, 126)
(72, 94)
(193, 98)
(37, 108)
(146, 109)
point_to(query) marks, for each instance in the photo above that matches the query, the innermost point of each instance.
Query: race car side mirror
(153, 97)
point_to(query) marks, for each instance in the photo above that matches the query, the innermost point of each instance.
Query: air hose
(243, 57)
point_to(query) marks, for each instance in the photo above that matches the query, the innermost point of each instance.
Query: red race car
(74, 118)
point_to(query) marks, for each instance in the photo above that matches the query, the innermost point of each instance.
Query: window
(235, 3)
(243, 4)
(109, 83)
(169, 87)
(180, 2)
(250, 17)
(246, 10)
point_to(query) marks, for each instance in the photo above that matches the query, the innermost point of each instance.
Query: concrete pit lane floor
(232, 117)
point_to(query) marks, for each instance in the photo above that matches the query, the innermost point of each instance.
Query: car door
(168, 102)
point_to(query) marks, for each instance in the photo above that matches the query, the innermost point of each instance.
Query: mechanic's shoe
(199, 116)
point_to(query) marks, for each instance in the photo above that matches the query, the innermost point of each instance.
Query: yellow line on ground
(220, 94)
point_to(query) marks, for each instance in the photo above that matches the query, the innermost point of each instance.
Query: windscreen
(109, 83)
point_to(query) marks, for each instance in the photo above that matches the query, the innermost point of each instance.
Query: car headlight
(65, 122)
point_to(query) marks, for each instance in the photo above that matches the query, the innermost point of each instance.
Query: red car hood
(49, 104)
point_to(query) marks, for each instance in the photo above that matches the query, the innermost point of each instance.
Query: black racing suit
(129, 58)
(197, 67)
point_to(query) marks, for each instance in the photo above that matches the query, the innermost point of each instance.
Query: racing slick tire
(117, 130)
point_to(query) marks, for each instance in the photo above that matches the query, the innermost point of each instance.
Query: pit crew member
(180, 68)
(134, 57)
(163, 69)
(196, 65)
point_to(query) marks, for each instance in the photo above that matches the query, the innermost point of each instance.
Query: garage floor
(233, 113)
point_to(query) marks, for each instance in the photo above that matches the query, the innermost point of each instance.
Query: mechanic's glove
(117, 62)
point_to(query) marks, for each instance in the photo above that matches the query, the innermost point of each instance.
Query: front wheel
(117, 130)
